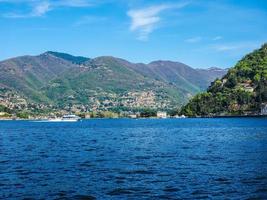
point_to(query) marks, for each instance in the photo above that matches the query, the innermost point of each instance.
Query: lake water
(134, 159)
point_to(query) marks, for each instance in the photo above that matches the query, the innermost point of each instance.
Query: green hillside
(107, 79)
(180, 75)
(68, 57)
(59, 80)
(241, 91)
(28, 74)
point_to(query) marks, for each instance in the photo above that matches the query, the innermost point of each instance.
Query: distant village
(143, 105)
(137, 104)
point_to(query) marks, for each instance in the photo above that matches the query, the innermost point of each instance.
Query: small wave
(119, 191)
(171, 189)
(83, 197)
(137, 172)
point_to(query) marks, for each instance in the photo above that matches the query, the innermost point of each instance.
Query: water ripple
(134, 159)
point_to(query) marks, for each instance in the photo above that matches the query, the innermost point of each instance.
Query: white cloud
(227, 47)
(199, 38)
(74, 3)
(41, 7)
(194, 39)
(235, 46)
(145, 20)
(217, 38)
(85, 20)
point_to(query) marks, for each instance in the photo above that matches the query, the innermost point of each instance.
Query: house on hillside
(247, 87)
(264, 109)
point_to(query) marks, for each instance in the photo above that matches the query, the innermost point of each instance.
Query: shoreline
(232, 116)
(196, 117)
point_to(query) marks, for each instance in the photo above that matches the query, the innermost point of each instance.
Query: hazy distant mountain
(180, 75)
(211, 73)
(61, 79)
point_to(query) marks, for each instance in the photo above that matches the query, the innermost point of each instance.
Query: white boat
(65, 118)
(70, 118)
(179, 117)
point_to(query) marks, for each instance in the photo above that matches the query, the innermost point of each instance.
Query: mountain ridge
(62, 79)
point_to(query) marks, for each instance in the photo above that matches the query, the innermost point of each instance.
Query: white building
(264, 109)
(133, 116)
(161, 114)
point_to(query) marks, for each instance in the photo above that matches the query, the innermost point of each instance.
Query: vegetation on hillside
(4, 109)
(68, 57)
(59, 81)
(241, 91)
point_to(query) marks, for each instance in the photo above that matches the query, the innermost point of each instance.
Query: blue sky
(200, 33)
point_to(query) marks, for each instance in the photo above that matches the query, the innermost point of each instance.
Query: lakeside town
(139, 105)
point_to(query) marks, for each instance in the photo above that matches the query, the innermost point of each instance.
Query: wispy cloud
(228, 47)
(217, 38)
(41, 7)
(200, 38)
(37, 9)
(85, 20)
(194, 39)
(74, 3)
(145, 20)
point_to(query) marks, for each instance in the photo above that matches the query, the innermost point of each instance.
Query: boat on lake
(65, 118)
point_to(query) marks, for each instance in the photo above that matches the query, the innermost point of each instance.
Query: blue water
(134, 159)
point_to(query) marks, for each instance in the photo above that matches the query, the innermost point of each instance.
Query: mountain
(180, 75)
(243, 90)
(210, 74)
(106, 82)
(109, 82)
(28, 74)
(68, 57)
